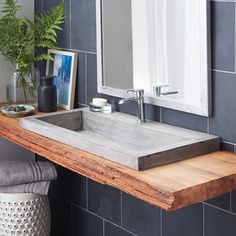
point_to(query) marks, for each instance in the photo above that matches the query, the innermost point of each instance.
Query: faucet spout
(139, 99)
(127, 100)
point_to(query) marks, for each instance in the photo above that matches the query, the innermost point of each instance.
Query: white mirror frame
(205, 108)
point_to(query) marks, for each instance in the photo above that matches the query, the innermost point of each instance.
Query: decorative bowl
(29, 110)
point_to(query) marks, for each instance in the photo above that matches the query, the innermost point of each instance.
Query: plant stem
(25, 96)
(23, 84)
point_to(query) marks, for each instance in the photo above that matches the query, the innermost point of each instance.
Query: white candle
(101, 102)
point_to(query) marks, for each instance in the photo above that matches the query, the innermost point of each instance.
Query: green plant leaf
(20, 36)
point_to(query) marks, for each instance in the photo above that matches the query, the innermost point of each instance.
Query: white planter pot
(24, 215)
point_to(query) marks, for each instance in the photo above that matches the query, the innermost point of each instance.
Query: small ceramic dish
(29, 110)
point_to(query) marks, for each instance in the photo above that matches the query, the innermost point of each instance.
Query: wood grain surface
(170, 186)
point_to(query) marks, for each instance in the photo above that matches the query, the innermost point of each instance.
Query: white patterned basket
(24, 215)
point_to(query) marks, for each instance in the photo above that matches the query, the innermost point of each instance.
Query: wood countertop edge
(98, 171)
(218, 187)
(112, 174)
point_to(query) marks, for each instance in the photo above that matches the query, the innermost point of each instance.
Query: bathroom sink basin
(119, 138)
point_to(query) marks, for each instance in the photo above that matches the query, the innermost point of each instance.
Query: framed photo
(64, 68)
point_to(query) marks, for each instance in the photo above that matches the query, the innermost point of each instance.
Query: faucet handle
(157, 89)
(138, 92)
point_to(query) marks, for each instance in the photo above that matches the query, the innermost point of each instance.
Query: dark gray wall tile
(222, 202)
(92, 77)
(70, 186)
(128, 108)
(185, 120)
(38, 6)
(223, 35)
(48, 4)
(11, 151)
(184, 222)
(41, 65)
(83, 25)
(227, 146)
(61, 217)
(104, 201)
(219, 223)
(139, 217)
(223, 122)
(233, 201)
(113, 230)
(82, 79)
(152, 112)
(86, 224)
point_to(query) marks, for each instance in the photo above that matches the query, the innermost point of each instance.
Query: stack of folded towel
(26, 177)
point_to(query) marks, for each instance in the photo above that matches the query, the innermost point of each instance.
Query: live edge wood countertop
(170, 187)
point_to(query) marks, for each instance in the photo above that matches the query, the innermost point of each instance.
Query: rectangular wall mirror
(161, 46)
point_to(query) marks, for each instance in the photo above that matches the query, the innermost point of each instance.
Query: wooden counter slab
(170, 187)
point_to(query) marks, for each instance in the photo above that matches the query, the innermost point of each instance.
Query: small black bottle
(47, 95)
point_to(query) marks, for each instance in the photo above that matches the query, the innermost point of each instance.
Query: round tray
(29, 111)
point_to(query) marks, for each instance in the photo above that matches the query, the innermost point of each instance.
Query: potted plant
(20, 37)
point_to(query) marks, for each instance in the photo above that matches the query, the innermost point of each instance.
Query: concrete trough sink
(120, 138)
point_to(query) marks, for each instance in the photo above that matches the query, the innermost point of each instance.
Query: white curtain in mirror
(141, 46)
(166, 46)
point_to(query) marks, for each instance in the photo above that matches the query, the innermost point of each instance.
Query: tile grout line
(86, 77)
(234, 38)
(220, 209)
(226, 142)
(72, 222)
(121, 208)
(161, 221)
(224, 71)
(203, 219)
(160, 114)
(230, 201)
(132, 234)
(94, 214)
(88, 211)
(103, 227)
(87, 194)
(208, 125)
(79, 51)
(70, 23)
(81, 104)
(224, 1)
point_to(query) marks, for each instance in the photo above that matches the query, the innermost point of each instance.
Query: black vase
(47, 95)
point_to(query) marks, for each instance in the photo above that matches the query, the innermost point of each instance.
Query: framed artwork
(64, 68)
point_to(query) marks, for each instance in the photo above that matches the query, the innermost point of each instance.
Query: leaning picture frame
(64, 67)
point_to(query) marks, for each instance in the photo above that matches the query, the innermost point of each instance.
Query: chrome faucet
(139, 98)
(157, 90)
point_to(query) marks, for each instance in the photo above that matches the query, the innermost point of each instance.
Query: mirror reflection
(157, 45)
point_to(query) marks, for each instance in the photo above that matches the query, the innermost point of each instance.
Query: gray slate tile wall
(82, 207)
